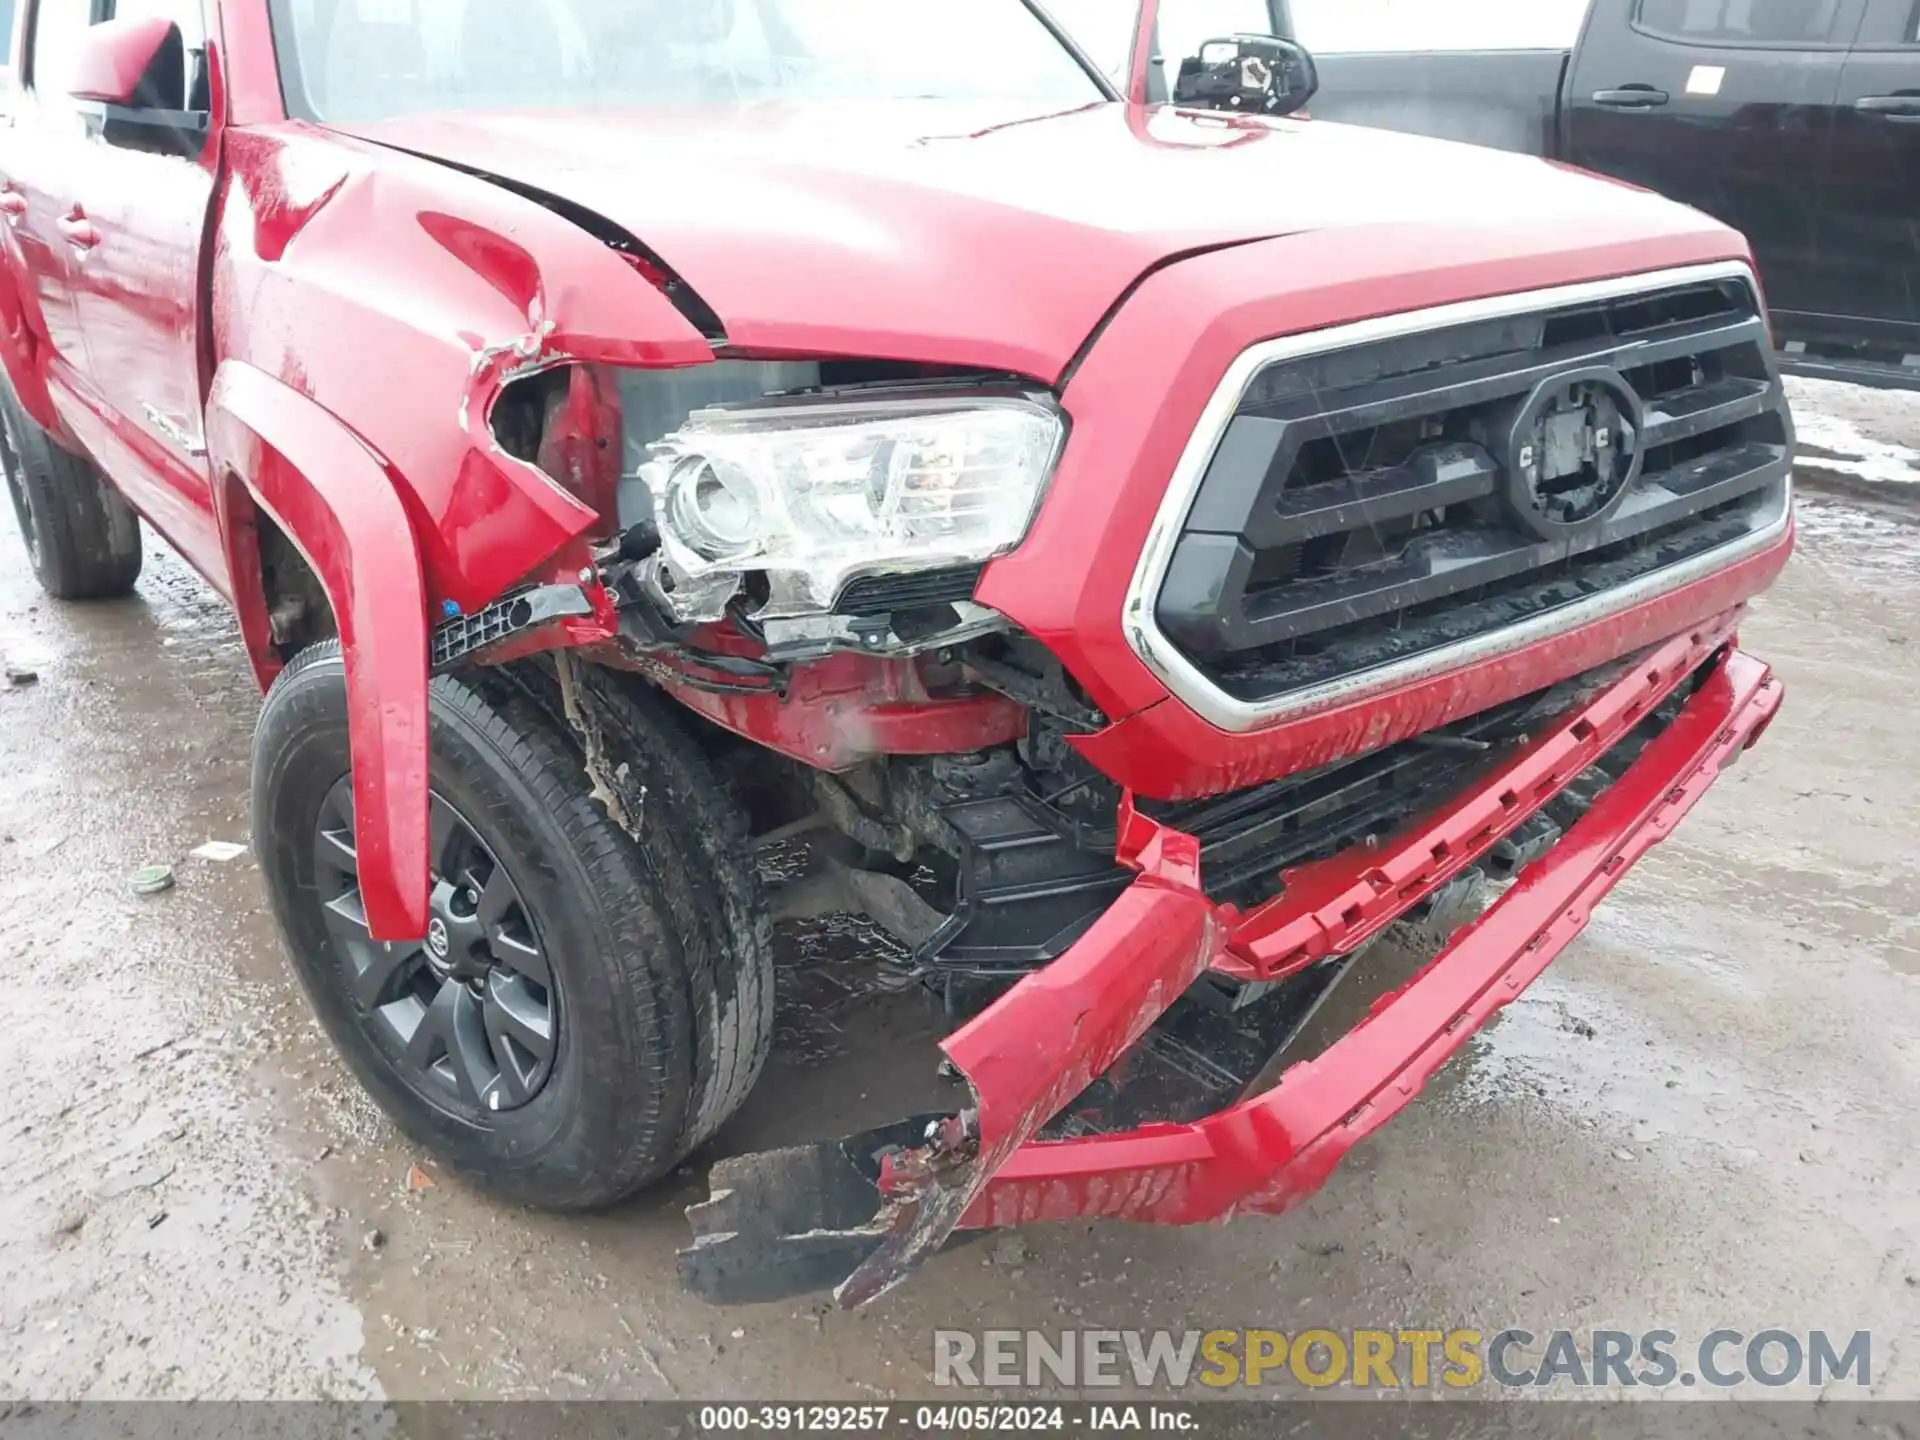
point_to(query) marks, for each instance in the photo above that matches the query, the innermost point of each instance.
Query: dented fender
(404, 297)
(368, 309)
(332, 497)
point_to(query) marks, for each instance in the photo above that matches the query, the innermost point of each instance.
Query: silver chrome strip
(1212, 703)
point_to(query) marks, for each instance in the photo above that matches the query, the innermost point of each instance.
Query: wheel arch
(282, 457)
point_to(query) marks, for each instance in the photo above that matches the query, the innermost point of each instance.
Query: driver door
(147, 194)
(44, 156)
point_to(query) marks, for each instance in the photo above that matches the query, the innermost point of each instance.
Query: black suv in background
(1796, 121)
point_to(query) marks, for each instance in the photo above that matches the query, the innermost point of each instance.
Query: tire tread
(88, 537)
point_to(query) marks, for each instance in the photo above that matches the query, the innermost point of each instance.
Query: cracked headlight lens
(811, 495)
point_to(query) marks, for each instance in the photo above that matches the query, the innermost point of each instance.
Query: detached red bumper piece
(805, 1218)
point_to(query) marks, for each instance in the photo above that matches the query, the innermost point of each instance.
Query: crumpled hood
(985, 235)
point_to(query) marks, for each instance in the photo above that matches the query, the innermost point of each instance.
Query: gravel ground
(1702, 1116)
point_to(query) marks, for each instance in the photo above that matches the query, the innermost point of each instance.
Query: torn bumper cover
(861, 1215)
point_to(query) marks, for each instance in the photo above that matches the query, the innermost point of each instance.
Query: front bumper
(1034, 1051)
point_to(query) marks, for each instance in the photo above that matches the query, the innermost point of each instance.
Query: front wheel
(544, 1036)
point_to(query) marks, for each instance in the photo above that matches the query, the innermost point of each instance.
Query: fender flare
(337, 503)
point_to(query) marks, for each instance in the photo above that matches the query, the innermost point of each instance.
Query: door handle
(1633, 97)
(1902, 109)
(77, 230)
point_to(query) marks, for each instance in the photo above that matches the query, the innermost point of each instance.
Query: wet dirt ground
(1702, 1117)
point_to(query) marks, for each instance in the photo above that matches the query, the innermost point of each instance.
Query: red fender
(21, 329)
(337, 503)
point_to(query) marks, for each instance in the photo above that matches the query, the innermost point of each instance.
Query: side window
(190, 17)
(1803, 23)
(1104, 28)
(8, 10)
(54, 47)
(1185, 25)
(1335, 27)
(1890, 25)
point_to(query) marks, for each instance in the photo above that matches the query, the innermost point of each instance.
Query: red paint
(1060, 1029)
(1272, 1151)
(331, 496)
(1146, 34)
(413, 350)
(1334, 906)
(115, 57)
(1177, 336)
(894, 223)
(582, 445)
(337, 318)
(1169, 752)
(848, 709)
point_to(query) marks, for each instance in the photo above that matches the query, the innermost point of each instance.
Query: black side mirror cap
(163, 132)
(1248, 75)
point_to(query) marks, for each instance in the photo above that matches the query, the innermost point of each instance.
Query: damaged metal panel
(1049, 1038)
(785, 1222)
(1025, 1058)
(1043, 1043)
(1269, 1153)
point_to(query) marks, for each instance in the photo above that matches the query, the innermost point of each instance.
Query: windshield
(373, 59)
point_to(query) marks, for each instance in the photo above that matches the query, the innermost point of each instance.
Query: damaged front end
(784, 546)
(1146, 1074)
(795, 551)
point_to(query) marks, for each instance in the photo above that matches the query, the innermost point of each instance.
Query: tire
(82, 539)
(707, 870)
(630, 1082)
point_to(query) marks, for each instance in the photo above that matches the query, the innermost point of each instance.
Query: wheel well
(298, 614)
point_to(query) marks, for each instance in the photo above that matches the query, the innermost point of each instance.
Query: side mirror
(138, 64)
(1249, 75)
(136, 71)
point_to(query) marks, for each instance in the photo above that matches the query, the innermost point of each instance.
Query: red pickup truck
(1142, 551)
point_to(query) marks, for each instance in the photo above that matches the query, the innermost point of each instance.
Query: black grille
(886, 594)
(1036, 870)
(1365, 505)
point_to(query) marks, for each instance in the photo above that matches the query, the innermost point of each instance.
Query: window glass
(1374, 26)
(1185, 25)
(58, 28)
(7, 8)
(366, 59)
(1742, 22)
(1104, 28)
(184, 13)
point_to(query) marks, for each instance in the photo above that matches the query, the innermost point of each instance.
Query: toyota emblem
(1573, 452)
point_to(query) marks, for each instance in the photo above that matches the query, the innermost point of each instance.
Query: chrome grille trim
(1189, 684)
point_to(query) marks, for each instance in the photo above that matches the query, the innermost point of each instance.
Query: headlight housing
(814, 494)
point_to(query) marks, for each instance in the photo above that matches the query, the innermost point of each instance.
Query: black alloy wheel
(470, 1013)
(593, 995)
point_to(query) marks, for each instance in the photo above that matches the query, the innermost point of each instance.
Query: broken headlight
(804, 497)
